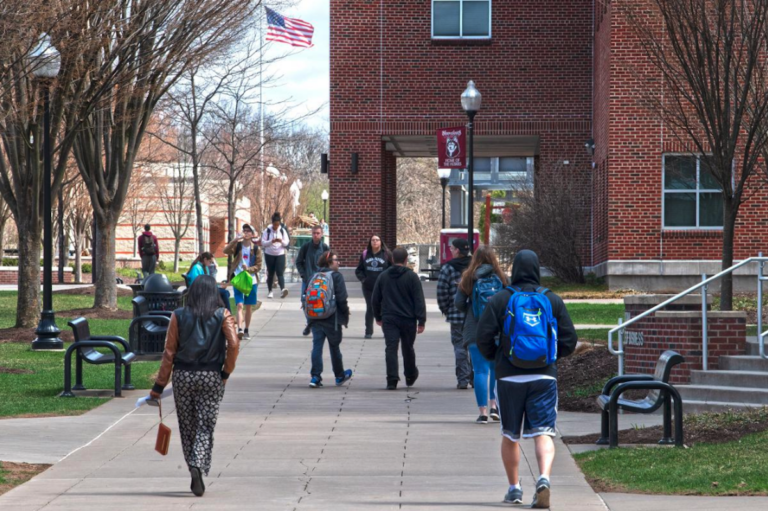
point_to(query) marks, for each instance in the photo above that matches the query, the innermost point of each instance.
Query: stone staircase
(741, 382)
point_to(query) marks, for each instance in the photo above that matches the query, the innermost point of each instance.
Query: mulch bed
(18, 473)
(89, 291)
(589, 367)
(712, 428)
(10, 370)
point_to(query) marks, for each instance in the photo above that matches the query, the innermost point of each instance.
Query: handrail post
(761, 266)
(704, 332)
(621, 348)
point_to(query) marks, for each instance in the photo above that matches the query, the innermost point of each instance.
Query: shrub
(87, 267)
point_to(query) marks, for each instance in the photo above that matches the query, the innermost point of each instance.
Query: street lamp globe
(45, 58)
(471, 99)
(444, 173)
(324, 195)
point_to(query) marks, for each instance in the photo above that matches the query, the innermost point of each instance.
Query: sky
(305, 73)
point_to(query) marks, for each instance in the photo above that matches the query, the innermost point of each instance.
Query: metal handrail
(702, 285)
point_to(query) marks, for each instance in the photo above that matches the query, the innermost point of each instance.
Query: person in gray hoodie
(400, 309)
(478, 282)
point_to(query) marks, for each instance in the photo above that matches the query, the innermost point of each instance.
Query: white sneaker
(270, 295)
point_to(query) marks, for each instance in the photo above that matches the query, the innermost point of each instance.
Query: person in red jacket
(149, 250)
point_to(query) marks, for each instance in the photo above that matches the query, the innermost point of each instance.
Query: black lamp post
(46, 62)
(445, 175)
(324, 196)
(471, 100)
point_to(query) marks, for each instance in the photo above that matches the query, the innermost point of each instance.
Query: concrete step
(752, 347)
(723, 394)
(743, 363)
(693, 406)
(753, 379)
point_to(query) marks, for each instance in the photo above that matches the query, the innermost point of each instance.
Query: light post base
(47, 333)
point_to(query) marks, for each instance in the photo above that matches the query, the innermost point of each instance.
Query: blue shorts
(529, 408)
(247, 300)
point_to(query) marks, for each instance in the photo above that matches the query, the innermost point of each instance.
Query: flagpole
(261, 111)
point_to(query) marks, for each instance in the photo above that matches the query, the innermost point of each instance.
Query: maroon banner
(452, 148)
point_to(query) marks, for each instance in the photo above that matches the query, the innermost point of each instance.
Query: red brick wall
(388, 78)
(665, 331)
(11, 277)
(630, 142)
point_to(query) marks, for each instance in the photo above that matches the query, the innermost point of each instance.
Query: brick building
(554, 74)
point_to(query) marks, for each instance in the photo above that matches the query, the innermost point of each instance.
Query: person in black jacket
(373, 261)
(307, 262)
(528, 395)
(399, 308)
(330, 328)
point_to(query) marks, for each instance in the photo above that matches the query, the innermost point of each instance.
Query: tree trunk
(28, 304)
(730, 211)
(198, 206)
(104, 261)
(2, 238)
(78, 259)
(63, 245)
(176, 248)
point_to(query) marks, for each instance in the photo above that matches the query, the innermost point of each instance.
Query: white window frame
(461, 21)
(697, 191)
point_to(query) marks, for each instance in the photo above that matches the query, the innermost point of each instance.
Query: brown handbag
(163, 434)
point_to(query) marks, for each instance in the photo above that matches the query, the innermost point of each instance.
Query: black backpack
(147, 245)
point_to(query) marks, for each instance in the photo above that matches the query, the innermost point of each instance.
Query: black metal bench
(146, 333)
(85, 347)
(661, 394)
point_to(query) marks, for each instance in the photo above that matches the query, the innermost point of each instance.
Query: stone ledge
(697, 314)
(654, 300)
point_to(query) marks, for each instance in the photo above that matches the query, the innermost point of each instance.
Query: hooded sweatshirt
(463, 303)
(525, 276)
(140, 243)
(371, 266)
(398, 293)
(341, 318)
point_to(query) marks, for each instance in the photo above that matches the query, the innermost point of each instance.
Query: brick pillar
(360, 204)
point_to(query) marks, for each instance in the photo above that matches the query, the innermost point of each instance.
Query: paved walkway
(283, 446)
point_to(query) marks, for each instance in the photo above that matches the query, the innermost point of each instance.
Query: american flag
(288, 30)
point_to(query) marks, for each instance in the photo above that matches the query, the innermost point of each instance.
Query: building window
(461, 19)
(692, 197)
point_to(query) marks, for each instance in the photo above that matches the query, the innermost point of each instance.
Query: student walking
(373, 261)
(399, 308)
(307, 263)
(202, 266)
(482, 279)
(447, 285)
(149, 250)
(201, 349)
(535, 330)
(246, 256)
(327, 310)
(275, 241)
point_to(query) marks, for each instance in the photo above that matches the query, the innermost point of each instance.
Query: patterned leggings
(197, 395)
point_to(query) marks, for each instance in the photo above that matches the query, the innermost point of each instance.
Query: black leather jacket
(202, 345)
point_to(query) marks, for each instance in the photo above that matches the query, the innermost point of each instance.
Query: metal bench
(661, 394)
(146, 333)
(85, 348)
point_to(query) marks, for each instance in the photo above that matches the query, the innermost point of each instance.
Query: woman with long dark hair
(202, 266)
(201, 349)
(373, 261)
(483, 267)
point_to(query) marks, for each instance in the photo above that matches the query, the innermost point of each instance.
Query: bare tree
(147, 45)
(79, 218)
(5, 215)
(177, 199)
(709, 59)
(419, 211)
(139, 202)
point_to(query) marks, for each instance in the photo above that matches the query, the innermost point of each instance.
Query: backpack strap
(543, 290)
(513, 289)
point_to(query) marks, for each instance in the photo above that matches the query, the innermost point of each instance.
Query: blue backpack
(533, 336)
(482, 291)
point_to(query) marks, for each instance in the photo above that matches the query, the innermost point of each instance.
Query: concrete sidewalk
(281, 445)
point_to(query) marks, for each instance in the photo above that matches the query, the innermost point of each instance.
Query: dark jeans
(321, 332)
(148, 265)
(399, 331)
(368, 294)
(275, 265)
(224, 294)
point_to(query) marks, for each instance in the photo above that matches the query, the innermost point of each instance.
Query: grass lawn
(733, 468)
(61, 302)
(595, 314)
(31, 381)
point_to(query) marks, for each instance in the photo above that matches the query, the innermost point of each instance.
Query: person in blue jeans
(329, 328)
(202, 266)
(484, 264)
